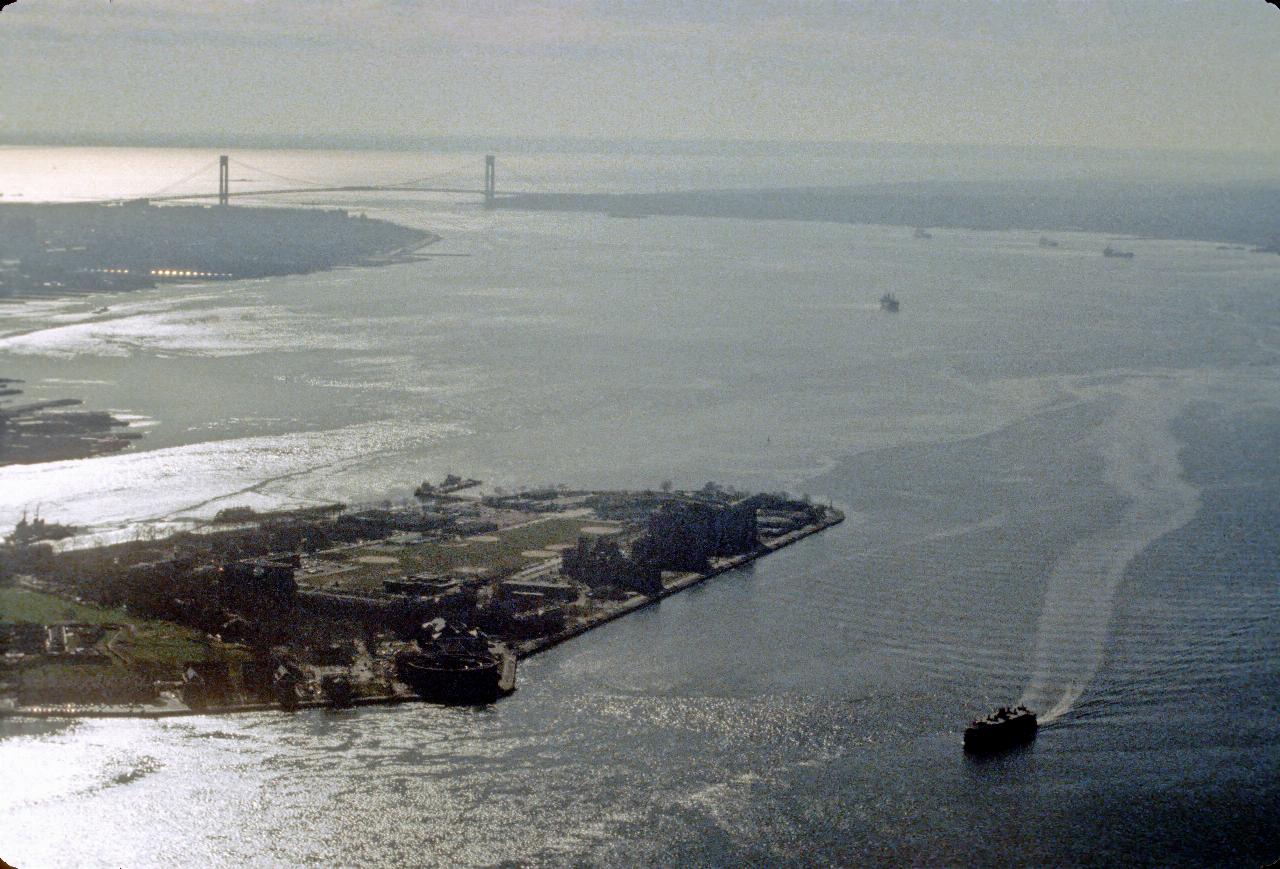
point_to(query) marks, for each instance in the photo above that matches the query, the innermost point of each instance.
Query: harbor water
(1061, 474)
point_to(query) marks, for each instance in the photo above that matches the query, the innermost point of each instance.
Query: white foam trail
(1141, 458)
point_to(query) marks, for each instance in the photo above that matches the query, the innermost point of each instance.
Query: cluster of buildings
(523, 569)
(77, 642)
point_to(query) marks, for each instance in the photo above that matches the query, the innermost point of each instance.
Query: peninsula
(324, 606)
(65, 249)
(45, 431)
(1246, 214)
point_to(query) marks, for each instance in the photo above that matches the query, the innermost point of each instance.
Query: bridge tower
(224, 181)
(490, 179)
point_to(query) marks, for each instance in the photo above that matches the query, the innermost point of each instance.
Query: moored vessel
(1001, 729)
(453, 679)
(457, 667)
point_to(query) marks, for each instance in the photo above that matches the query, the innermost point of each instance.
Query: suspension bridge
(434, 183)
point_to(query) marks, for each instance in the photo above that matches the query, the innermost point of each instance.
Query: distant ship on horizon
(889, 302)
(1111, 252)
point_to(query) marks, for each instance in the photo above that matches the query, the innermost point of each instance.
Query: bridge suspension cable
(426, 183)
(165, 189)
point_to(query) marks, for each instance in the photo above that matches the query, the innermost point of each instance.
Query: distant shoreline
(1238, 213)
(53, 250)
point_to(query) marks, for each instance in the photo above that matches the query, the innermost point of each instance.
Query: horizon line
(469, 141)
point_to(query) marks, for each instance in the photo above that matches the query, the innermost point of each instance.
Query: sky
(1198, 75)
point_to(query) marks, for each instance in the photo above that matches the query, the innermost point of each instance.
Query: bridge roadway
(348, 189)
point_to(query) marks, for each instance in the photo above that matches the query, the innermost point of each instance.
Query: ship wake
(1141, 462)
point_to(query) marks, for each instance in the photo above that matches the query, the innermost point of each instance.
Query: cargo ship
(457, 667)
(1001, 729)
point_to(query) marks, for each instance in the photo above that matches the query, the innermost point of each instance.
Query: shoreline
(78, 250)
(686, 581)
(410, 253)
(1133, 211)
(522, 651)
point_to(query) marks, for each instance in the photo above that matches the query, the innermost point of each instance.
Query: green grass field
(163, 644)
(502, 555)
(21, 605)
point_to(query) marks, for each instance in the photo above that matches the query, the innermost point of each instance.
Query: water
(1061, 479)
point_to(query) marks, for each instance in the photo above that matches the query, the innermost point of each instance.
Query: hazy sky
(1199, 75)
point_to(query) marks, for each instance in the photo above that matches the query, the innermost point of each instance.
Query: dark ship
(1112, 253)
(889, 302)
(1001, 729)
(37, 530)
(452, 483)
(456, 667)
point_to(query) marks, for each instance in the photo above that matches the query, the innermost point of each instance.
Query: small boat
(104, 309)
(1111, 252)
(921, 232)
(284, 684)
(889, 302)
(1045, 241)
(1001, 729)
(337, 691)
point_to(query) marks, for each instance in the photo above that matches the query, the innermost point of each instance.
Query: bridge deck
(361, 188)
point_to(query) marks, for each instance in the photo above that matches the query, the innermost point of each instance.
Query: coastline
(77, 250)
(1221, 214)
(684, 582)
(527, 649)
